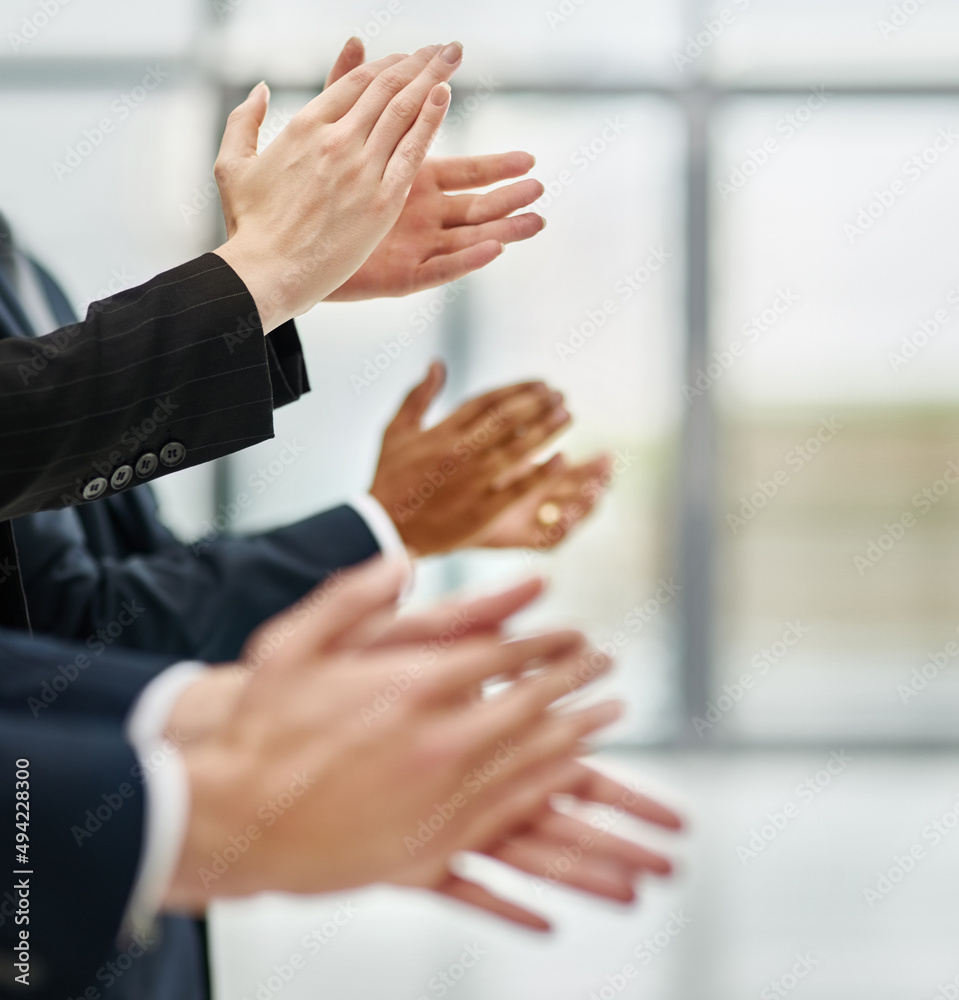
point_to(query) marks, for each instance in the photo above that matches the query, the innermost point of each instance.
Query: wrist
(206, 704)
(264, 280)
(219, 778)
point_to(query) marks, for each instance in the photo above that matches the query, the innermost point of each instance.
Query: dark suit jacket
(179, 362)
(190, 338)
(84, 568)
(110, 573)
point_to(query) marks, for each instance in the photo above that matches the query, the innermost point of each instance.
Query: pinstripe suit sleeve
(181, 358)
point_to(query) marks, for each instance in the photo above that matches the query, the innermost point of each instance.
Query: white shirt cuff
(384, 531)
(166, 791)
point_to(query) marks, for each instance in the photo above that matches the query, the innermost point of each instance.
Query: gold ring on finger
(549, 513)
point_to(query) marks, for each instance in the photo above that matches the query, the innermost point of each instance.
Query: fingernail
(262, 84)
(452, 53)
(441, 94)
(354, 42)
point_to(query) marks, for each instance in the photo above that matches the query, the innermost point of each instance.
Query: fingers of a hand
(332, 609)
(453, 266)
(482, 899)
(563, 829)
(411, 149)
(420, 398)
(462, 617)
(243, 129)
(512, 230)
(512, 449)
(475, 209)
(597, 787)
(556, 734)
(413, 109)
(596, 473)
(519, 488)
(520, 712)
(512, 419)
(472, 662)
(368, 633)
(474, 412)
(342, 97)
(459, 173)
(516, 803)
(506, 416)
(386, 87)
(351, 55)
(537, 856)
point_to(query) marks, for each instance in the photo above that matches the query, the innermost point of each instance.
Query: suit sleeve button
(121, 477)
(172, 454)
(147, 464)
(95, 488)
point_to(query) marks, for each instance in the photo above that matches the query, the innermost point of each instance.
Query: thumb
(351, 56)
(243, 127)
(410, 415)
